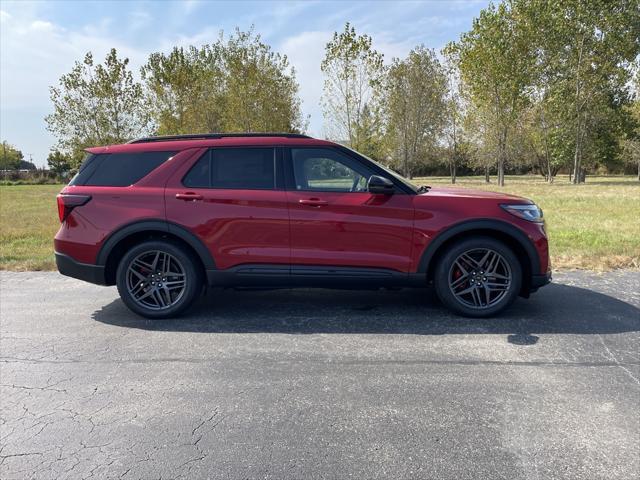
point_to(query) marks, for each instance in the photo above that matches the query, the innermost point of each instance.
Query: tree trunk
(452, 170)
(487, 179)
(407, 173)
(501, 156)
(576, 161)
(501, 172)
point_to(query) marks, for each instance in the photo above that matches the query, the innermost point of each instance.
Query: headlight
(530, 212)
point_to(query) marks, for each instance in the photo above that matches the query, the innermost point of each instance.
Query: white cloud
(34, 54)
(41, 25)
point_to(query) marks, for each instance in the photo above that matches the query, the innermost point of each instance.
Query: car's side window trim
(278, 173)
(290, 181)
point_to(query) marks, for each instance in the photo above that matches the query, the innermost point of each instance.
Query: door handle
(189, 196)
(313, 202)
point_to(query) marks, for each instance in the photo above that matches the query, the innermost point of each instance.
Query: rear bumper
(82, 271)
(538, 281)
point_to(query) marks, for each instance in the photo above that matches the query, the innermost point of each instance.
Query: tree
(496, 59)
(185, 90)
(542, 132)
(631, 141)
(353, 73)
(371, 139)
(10, 157)
(261, 88)
(584, 52)
(454, 118)
(416, 90)
(234, 85)
(96, 104)
(59, 163)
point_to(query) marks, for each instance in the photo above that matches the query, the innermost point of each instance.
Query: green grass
(28, 223)
(595, 225)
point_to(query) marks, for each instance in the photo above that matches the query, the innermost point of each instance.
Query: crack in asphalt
(618, 363)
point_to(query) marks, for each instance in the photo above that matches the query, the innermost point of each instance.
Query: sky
(40, 41)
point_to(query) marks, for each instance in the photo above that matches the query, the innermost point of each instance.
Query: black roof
(206, 136)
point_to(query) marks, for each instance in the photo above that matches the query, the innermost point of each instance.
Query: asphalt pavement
(305, 384)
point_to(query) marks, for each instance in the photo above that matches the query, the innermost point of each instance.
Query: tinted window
(118, 169)
(199, 176)
(239, 168)
(323, 169)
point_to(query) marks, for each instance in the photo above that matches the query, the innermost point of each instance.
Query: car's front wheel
(478, 277)
(158, 279)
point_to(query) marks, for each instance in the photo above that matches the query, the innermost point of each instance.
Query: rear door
(335, 221)
(233, 199)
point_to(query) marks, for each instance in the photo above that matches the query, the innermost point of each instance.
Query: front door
(233, 200)
(336, 221)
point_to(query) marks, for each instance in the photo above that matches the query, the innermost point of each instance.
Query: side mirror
(380, 185)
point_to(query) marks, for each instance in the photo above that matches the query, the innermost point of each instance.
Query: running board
(268, 276)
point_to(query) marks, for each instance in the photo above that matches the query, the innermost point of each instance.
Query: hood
(458, 192)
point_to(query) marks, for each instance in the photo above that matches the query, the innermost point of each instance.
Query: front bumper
(82, 271)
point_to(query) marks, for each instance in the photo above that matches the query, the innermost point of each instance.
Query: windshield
(395, 175)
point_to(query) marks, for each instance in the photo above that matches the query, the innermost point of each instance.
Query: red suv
(161, 217)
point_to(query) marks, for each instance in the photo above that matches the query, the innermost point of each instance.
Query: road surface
(320, 384)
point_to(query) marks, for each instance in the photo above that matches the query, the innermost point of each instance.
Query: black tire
(480, 300)
(169, 302)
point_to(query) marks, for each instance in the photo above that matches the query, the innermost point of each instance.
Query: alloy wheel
(480, 278)
(156, 280)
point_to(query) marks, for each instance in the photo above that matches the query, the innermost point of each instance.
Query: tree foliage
(416, 89)
(584, 52)
(534, 85)
(97, 104)
(10, 157)
(232, 85)
(59, 163)
(631, 140)
(353, 73)
(496, 60)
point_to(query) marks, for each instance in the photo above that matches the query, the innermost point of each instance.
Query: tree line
(535, 85)
(13, 159)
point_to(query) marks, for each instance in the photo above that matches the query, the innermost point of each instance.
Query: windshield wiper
(423, 188)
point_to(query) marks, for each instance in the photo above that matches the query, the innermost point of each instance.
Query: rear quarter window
(118, 169)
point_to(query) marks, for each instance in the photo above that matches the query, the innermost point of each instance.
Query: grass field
(594, 226)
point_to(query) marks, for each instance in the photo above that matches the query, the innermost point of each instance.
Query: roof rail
(209, 136)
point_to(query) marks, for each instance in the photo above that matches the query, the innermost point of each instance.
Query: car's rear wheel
(158, 279)
(478, 277)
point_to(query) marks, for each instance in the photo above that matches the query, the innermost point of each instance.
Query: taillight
(67, 202)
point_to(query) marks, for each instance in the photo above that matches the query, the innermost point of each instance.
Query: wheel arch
(133, 233)
(513, 237)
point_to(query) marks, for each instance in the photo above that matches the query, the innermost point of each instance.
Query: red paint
(351, 229)
(280, 226)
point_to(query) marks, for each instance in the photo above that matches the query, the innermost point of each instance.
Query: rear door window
(234, 168)
(118, 169)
